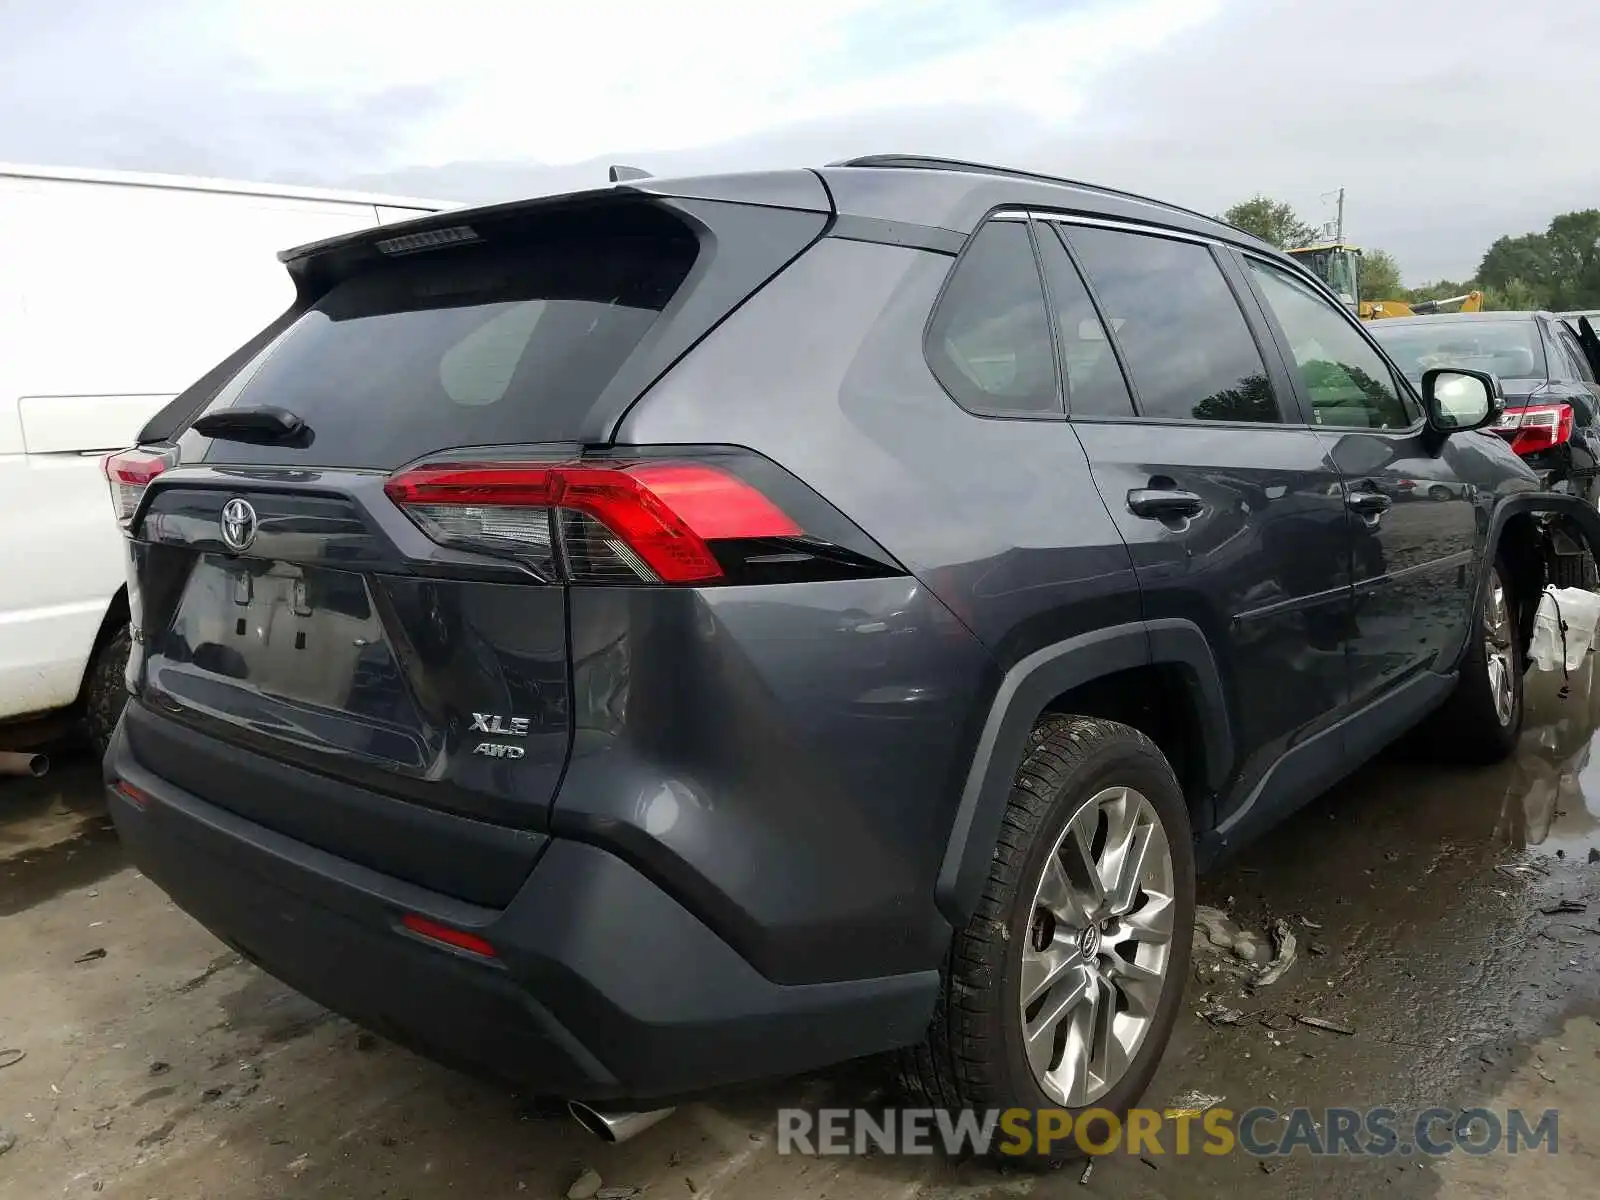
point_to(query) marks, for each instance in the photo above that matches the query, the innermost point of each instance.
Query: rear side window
(1188, 349)
(989, 340)
(1095, 386)
(480, 345)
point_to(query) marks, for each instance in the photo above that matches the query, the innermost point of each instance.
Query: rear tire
(1107, 977)
(1481, 721)
(105, 690)
(1574, 570)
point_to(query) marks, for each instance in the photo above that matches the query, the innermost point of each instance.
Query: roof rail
(923, 162)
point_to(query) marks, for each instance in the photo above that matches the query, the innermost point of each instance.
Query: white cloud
(556, 83)
(1449, 121)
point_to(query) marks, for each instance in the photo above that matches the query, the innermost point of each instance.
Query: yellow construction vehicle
(1338, 264)
(1371, 310)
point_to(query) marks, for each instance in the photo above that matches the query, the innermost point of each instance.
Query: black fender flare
(1025, 690)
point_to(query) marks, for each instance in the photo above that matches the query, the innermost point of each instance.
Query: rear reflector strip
(131, 794)
(446, 936)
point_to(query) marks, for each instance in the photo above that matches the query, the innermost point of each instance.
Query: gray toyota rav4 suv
(634, 641)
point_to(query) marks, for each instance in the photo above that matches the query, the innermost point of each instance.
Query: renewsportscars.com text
(1262, 1132)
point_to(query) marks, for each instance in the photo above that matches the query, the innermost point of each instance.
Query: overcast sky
(1450, 122)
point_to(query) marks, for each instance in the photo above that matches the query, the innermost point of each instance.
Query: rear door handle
(1158, 503)
(1369, 504)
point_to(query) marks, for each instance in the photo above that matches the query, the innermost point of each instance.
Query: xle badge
(504, 727)
(490, 723)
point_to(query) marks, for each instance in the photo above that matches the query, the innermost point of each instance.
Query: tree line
(1558, 269)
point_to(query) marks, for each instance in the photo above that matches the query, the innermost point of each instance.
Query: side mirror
(1459, 399)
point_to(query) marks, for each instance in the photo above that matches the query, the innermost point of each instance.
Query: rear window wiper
(265, 425)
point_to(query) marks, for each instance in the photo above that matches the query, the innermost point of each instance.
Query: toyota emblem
(238, 524)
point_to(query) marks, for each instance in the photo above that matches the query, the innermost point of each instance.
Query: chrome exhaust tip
(23, 764)
(615, 1127)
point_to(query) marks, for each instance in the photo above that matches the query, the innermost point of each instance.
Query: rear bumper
(604, 988)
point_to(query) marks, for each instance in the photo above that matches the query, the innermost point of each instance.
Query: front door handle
(1162, 503)
(1369, 504)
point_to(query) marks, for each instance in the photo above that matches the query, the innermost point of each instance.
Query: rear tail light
(130, 471)
(1537, 427)
(603, 520)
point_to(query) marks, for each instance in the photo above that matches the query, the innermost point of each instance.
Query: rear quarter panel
(823, 372)
(842, 773)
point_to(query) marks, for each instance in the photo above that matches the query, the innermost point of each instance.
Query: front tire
(1063, 988)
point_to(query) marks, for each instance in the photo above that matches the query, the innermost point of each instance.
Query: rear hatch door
(288, 613)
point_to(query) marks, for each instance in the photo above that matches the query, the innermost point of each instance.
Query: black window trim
(1100, 315)
(1286, 349)
(1007, 213)
(1555, 354)
(1277, 378)
(1571, 350)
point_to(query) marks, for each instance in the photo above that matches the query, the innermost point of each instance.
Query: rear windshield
(496, 343)
(1509, 349)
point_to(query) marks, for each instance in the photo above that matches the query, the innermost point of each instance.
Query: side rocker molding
(1023, 694)
(1316, 764)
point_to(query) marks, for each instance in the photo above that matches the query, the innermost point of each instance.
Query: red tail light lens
(1537, 427)
(129, 472)
(592, 521)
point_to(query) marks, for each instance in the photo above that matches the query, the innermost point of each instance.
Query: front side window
(989, 341)
(1185, 341)
(1349, 383)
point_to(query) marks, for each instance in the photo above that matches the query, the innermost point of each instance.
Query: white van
(117, 291)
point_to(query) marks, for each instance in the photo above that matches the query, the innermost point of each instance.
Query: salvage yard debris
(1324, 1023)
(1565, 906)
(1219, 1014)
(1242, 952)
(1195, 1101)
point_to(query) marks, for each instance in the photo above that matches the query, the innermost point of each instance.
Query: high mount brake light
(1537, 427)
(592, 520)
(129, 472)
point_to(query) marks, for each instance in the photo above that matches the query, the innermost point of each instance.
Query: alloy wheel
(1099, 941)
(1497, 655)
